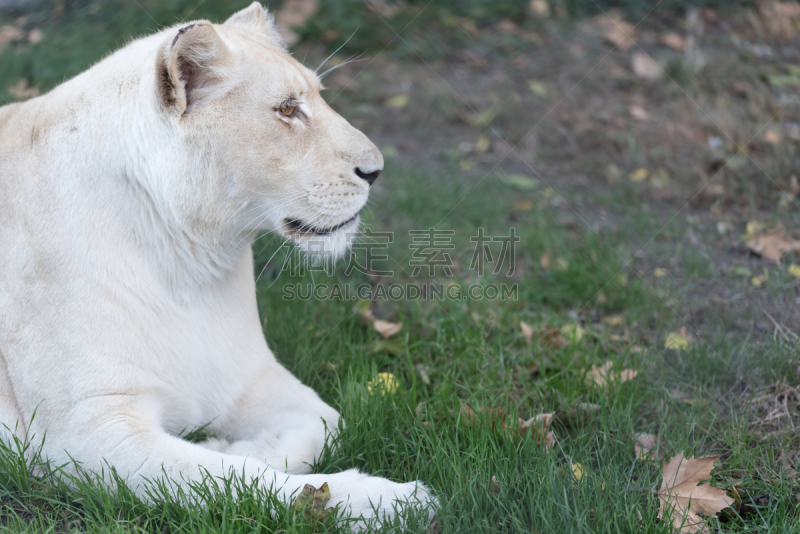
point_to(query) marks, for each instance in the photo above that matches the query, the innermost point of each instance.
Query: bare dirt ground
(693, 121)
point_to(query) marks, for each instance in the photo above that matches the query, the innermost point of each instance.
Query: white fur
(127, 299)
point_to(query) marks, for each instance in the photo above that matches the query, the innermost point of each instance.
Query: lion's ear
(192, 66)
(258, 19)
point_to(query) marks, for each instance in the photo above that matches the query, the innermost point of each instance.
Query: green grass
(470, 351)
(473, 352)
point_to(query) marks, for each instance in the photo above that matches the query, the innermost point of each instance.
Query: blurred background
(644, 152)
(669, 124)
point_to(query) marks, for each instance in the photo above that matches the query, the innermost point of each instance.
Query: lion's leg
(278, 421)
(122, 433)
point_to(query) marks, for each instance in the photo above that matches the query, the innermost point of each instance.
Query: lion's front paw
(378, 499)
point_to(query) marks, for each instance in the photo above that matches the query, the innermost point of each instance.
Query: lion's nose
(370, 177)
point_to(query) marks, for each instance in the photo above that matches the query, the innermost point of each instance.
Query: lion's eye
(287, 110)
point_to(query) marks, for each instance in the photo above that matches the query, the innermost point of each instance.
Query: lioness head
(274, 155)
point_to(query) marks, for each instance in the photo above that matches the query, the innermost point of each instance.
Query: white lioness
(128, 199)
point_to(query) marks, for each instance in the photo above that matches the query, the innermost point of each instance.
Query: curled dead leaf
(616, 31)
(385, 9)
(649, 446)
(681, 493)
(8, 34)
(673, 40)
(646, 67)
(544, 261)
(311, 502)
(539, 426)
(387, 329)
(639, 113)
(602, 375)
(773, 244)
(527, 331)
(778, 19)
(35, 36)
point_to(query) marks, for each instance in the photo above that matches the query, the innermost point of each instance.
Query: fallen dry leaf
(544, 261)
(399, 101)
(384, 383)
(482, 144)
(537, 88)
(639, 113)
(21, 91)
(681, 493)
(673, 40)
(8, 34)
(613, 174)
(771, 136)
(423, 373)
(527, 331)
(645, 67)
(524, 205)
(311, 502)
(678, 340)
(613, 320)
(551, 337)
(778, 18)
(385, 9)
(760, 280)
(577, 471)
(294, 14)
(539, 7)
(773, 244)
(572, 333)
(386, 329)
(539, 433)
(35, 36)
(648, 446)
(616, 31)
(753, 228)
(495, 485)
(602, 375)
(639, 175)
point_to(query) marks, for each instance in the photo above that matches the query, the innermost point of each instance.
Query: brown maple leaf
(680, 493)
(773, 244)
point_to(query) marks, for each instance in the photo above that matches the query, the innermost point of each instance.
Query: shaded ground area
(704, 148)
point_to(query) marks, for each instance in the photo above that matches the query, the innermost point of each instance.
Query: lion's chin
(323, 243)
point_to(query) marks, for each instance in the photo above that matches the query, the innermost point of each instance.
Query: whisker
(342, 64)
(337, 50)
